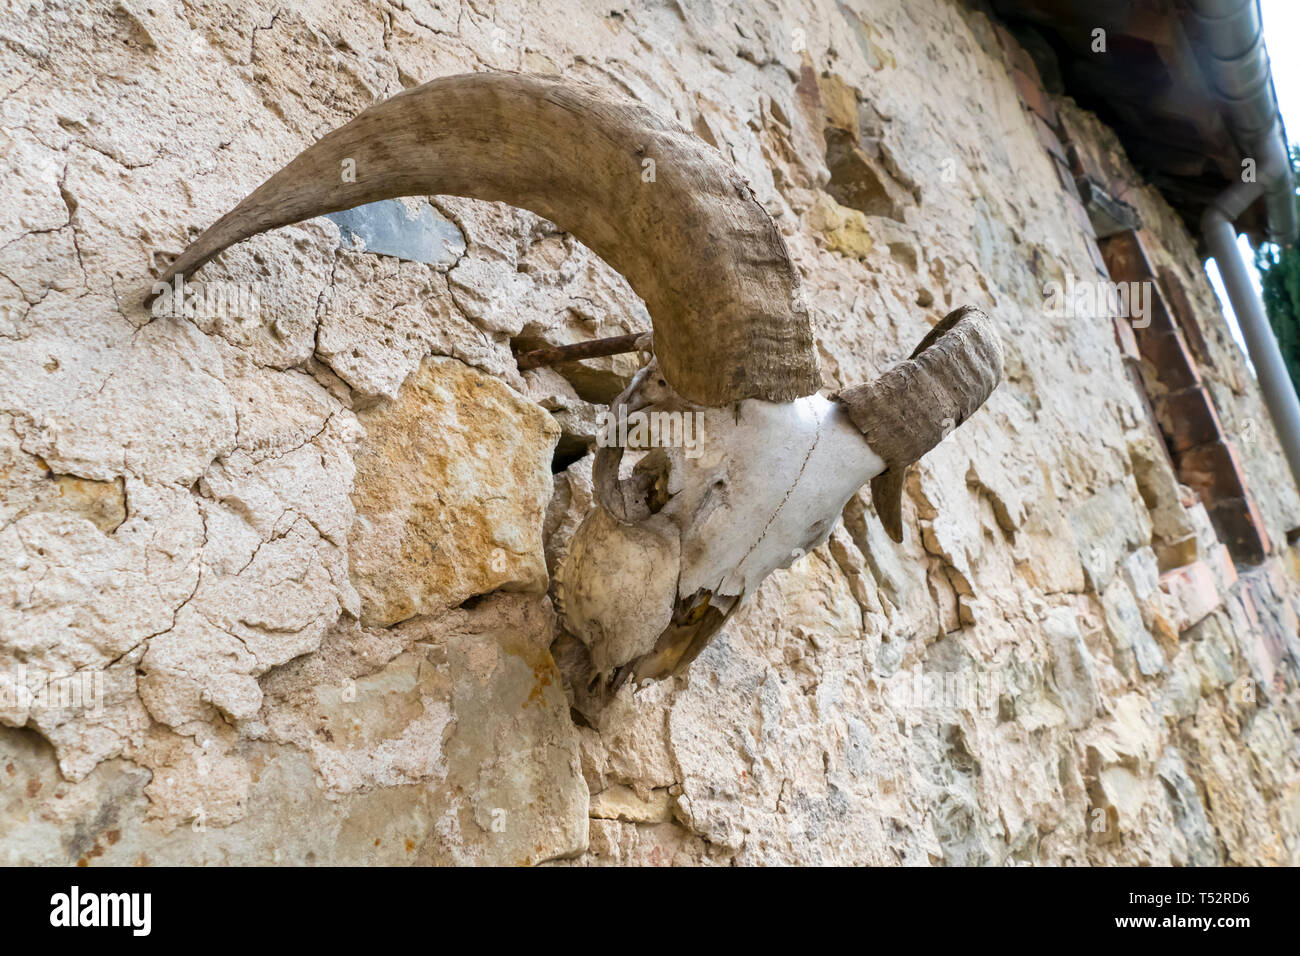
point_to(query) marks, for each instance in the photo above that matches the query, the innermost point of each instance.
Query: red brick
(1257, 522)
(1180, 307)
(1193, 592)
(1188, 418)
(1159, 321)
(1035, 97)
(1127, 341)
(1238, 525)
(1022, 61)
(1214, 471)
(1168, 354)
(1220, 561)
(1006, 40)
(1125, 257)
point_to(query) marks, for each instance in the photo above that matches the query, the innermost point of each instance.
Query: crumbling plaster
(198, 509)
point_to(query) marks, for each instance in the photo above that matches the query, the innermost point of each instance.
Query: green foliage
(1279, 270)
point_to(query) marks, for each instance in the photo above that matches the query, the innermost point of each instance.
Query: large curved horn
(917, 403)
(659, 205)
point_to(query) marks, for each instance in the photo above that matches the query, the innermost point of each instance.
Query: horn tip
(887, 496)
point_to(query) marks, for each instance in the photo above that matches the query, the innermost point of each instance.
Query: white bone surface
(769, 481)
(763, 484)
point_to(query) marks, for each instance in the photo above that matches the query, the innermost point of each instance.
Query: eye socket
(662, 382)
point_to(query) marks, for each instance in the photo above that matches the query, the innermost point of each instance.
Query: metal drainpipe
(1240, 74)
(1274, 381)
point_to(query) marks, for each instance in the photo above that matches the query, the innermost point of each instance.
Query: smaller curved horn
(918, 403)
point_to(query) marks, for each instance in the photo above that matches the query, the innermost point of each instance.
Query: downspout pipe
(1274, 380)
(1240, 73)
(1233, 35)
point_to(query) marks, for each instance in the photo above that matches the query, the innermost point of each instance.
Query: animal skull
(683, 540)
(673, 548)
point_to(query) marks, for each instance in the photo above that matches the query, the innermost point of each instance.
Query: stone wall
(289, 564)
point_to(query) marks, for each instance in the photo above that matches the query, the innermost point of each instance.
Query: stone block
(1106, 527)
(1127, 340)
(1193, 593)
(452, 483)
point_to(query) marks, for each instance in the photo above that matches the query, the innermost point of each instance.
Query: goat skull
(674, 548)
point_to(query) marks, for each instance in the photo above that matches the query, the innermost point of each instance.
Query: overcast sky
(1281, 35)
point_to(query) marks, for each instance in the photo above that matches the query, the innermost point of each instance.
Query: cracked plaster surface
(181, 496)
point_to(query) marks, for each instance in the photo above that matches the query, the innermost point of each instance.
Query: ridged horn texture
(918, 403)
(694, 243)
